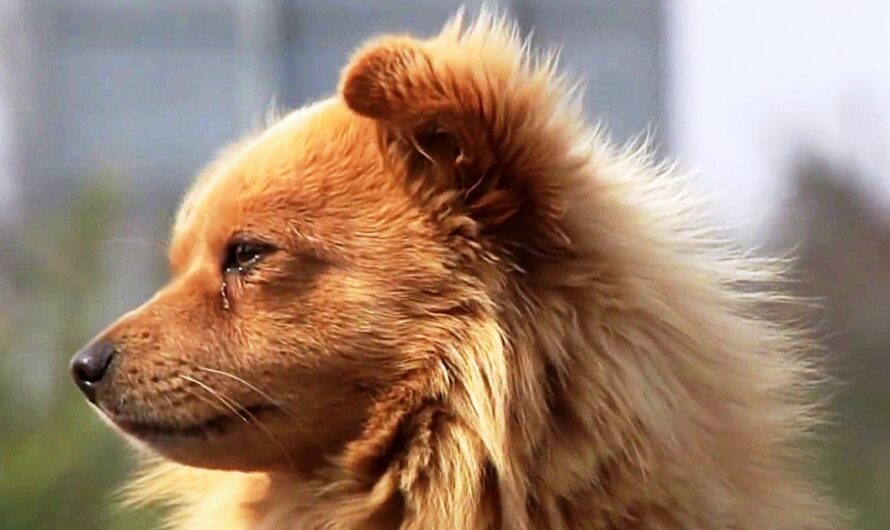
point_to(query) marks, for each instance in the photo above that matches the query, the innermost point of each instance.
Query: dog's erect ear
(383, 80)
(405, 85)
(493, 121)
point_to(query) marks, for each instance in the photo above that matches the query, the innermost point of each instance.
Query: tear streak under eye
(224, 294)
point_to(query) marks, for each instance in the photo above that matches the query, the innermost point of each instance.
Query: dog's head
(325, 274)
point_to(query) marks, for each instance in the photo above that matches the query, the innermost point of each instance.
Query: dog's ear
(472, 110)
(424, 103)
(382, 80)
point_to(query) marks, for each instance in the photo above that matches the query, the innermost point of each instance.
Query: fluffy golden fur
(465, 310)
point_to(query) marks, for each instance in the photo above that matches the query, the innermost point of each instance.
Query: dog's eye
(243, 255)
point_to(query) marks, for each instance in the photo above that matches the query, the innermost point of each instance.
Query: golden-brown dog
(438, 300)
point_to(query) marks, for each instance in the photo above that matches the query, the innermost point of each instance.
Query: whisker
(234, 377)
(214, 403)
(240, 411)
(228, 402)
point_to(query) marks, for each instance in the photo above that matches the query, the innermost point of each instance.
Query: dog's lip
(214, 425)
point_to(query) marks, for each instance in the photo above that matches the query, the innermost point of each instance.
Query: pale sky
(751, 81)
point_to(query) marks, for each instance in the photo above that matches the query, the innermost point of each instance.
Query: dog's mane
(645, 375)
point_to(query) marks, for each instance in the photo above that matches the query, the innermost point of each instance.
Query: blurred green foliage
(857, 462)
(59, 465)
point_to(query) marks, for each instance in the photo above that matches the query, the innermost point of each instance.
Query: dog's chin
(220, 442)
(233, 452)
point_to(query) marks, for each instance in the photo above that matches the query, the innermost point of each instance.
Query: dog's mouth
(213, 426)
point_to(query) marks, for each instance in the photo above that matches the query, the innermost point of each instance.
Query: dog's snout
(90, 364)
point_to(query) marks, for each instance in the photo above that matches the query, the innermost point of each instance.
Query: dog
(440, 300)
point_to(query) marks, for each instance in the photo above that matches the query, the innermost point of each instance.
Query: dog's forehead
(291, 160)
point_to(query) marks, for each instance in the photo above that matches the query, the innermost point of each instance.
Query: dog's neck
(499, 449)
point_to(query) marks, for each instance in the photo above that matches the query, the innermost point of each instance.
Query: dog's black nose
(89, 365)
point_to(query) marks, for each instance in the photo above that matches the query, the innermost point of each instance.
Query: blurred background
(109, 107)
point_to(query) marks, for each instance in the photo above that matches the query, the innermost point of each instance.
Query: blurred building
(147, 91)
